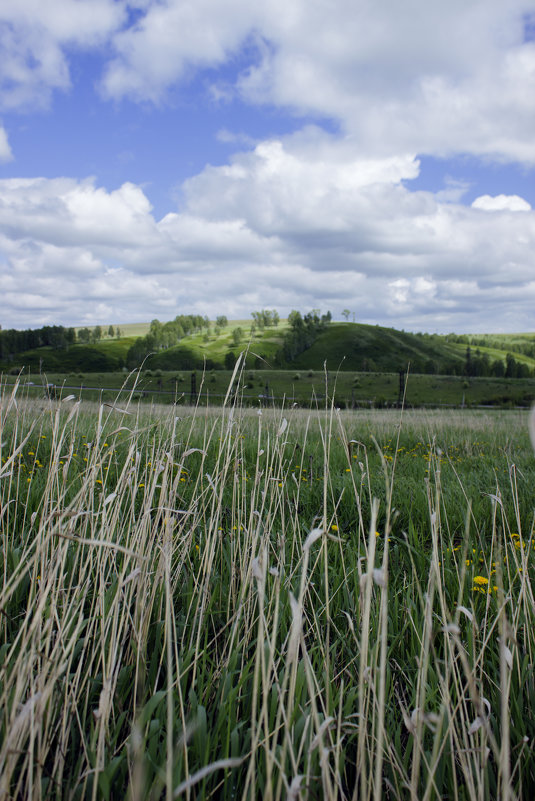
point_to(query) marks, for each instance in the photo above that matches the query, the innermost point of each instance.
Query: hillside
(351, 347)
(514, 343)
(356, 347)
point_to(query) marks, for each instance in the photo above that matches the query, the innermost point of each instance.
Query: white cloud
(5, 150)
(299, 222)
(501, 203)
(401, 77)
(170, 39)
(35, 37)
(410, 77)
(63, 211)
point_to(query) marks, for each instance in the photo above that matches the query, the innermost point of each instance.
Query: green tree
(511, 366)
(230, 360)
(237, 335)
(111, 331)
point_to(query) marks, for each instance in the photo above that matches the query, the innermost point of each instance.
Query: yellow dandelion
(334, 527)
(481, 581)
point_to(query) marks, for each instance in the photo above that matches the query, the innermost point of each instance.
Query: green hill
(351, 347)
(105, 356)
(345, 346)
(356, 347)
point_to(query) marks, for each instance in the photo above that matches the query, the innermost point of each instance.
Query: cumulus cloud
(407, 77)
(35, 38)
(302, 221)
(63, 211)
(170, 39)
(501, 203)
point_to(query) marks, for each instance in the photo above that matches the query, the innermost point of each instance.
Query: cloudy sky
(160, 157)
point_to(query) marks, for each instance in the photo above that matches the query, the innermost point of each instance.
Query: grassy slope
(348, 345)
(344, 346)
(105, 355)
(497, 353)
(504, 341)
(193, 350)
(127, 329)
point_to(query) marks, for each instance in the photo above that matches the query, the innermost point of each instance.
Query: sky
(165, 157)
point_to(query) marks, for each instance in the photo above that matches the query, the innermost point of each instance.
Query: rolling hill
(352, 347)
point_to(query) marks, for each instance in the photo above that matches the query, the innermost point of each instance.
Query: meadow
(241, 603)
(307, 388)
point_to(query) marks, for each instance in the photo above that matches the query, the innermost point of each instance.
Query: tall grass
(281, 605)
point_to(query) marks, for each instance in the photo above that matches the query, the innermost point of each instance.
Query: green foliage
(304, 331)
(237, 336)
(163, 336)
(13, 342)
(265, 318)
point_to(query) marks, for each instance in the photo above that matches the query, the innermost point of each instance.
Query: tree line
(13, 341)
(479, 365)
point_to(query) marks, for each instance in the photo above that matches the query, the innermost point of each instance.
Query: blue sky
(217, 157)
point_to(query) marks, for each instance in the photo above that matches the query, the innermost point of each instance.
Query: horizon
(159, 158)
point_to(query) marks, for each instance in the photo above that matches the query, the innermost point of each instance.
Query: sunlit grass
(273, 604)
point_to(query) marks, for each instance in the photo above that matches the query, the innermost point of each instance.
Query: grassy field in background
(280, 604)
(305, 387)
(127, 329)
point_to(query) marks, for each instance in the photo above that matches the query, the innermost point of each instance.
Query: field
(305, 387)
(265, 603)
